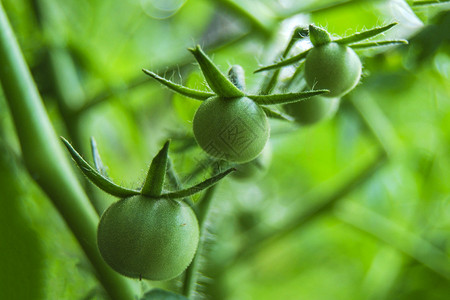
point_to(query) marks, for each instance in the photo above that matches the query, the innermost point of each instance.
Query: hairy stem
(204, 208)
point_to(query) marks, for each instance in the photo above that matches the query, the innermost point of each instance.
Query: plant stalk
(204, 208)
(46, 162)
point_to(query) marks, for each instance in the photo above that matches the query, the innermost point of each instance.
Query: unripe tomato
(333, 67)
(312, 110)
(235, 129)
(140, 237)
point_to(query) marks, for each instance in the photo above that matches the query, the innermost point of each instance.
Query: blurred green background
(355, 207)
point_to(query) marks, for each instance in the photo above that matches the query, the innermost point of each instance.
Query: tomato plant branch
(69, 92)
(326, 197)
(398, 237)
(203, 211)
(242, 13)
(46, 162)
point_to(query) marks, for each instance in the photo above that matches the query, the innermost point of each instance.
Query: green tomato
(141, 237)
(235, 129)
(312, 110)
(333, 67)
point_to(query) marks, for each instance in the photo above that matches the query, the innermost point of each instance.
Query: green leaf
(285, 62)
(198, 187)
(276, 114)
(357, 37)
(378, 44)
(160, 294)
(216, 80)
(318, 36)
(156, 174)
(285, 98)
(96, 178)
(185, 91)
(236, 75)
(98, 163)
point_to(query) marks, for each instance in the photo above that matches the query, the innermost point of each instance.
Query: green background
(384, 236)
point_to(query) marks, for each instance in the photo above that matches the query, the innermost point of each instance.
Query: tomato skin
(235, 129)
(333, 67)
(155, 239)
(312, 110)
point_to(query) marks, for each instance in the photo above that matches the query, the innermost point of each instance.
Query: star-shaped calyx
(320, 37)
(153, 184)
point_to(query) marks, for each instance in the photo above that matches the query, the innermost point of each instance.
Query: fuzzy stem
(47, 163)
(204, 208)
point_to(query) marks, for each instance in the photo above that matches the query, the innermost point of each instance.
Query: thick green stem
(69, 93)
(45, 160)
(204, 208)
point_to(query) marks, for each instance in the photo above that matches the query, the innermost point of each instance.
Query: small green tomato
(312, 110)
(234, 129)
(141, 237)
(333, 67)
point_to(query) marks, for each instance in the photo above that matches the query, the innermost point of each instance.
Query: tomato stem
(203, 212)
(47, 163)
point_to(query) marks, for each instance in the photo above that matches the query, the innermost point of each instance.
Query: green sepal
(270, 113)
(160, 294)
(318, 36)
(218, 82)
(182, 90)
(154, 181)
(98, 163)
(298, 34)
(285, 62)
(236, 74)
(285, 98)
(96, 178)
(364, 35)
(198, 187)
(378, 44)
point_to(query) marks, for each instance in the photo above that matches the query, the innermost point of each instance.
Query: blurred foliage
(388, 238)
